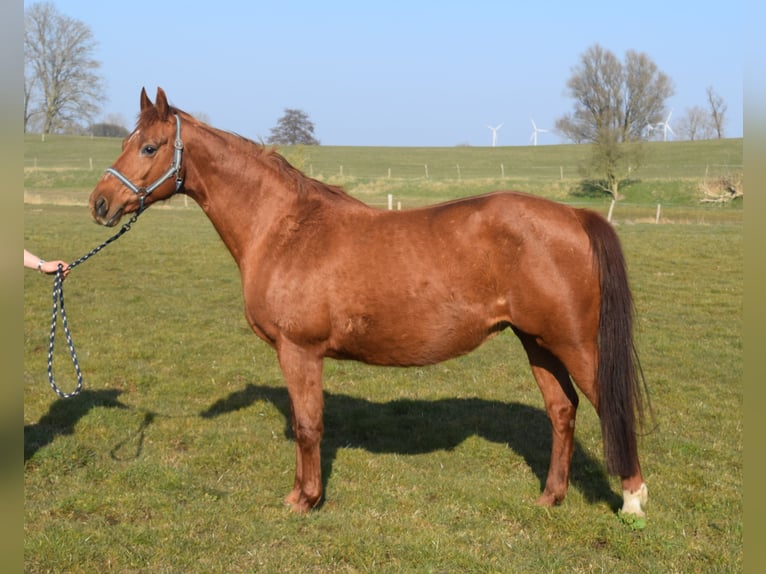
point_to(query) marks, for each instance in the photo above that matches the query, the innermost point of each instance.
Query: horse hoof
(296, 507)
(633, 502)
(298, 502)
(548, 499)
(293, 502)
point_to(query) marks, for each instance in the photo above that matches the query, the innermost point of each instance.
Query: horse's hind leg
(303, 376)
(560, 397)
(561, 405)
(580, 363)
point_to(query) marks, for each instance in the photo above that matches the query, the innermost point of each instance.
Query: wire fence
(441, 172)
(436, 169)
(417, 177)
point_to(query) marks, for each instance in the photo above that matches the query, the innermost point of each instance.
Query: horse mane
(303, 184)
(268, 156)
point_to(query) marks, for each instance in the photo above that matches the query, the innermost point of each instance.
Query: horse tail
(619, 377)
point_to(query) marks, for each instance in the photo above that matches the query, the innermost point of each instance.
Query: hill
(65, 168)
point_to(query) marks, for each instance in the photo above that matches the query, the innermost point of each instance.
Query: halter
(174, 169)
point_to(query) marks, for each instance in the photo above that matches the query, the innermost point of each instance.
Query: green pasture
(64, 168)
(177, 454)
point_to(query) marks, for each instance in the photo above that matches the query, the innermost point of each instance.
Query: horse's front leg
(302, 370)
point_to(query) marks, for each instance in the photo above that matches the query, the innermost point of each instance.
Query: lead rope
(58, 306)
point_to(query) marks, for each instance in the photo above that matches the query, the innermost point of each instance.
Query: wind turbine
(665, 126)
(533, 137)
(494, 133)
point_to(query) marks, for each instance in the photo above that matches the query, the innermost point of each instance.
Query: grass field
(176, 456)
(64, 168)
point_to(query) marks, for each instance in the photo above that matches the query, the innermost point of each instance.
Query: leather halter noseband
(173, 170)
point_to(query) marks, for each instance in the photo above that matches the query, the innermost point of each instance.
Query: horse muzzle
(100, 211)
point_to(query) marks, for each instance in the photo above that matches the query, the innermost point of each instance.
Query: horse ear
(161, 104)
(145, 101)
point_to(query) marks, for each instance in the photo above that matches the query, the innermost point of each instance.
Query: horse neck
(227, 177)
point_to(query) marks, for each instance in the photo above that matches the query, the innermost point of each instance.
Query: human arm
(32, 261)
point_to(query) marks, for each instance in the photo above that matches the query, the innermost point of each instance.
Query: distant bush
(107, 130)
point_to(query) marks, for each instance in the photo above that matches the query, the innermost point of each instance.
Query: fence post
(657, 218)
(390, 202)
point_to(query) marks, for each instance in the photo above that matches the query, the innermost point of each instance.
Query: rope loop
(58, 307)
(58, 303)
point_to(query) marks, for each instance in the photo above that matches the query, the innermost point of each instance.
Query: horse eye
(148, 150)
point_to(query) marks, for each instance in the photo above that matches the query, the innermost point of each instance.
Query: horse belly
(415, 335)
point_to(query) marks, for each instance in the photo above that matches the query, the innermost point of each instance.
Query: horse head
(140, 176)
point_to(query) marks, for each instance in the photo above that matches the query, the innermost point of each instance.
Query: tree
(696, 124)
(615, 103)
(294, 127)
(112, 126)
(615, 98)
(717, 111)
(704, 124)
(108, 130)
(62, 87)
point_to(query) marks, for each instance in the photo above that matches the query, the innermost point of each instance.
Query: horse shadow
(408, 426)
(63, 415)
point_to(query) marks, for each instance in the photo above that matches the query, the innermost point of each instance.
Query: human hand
(51, 267)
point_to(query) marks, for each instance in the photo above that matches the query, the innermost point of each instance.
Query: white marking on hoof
(633, 502)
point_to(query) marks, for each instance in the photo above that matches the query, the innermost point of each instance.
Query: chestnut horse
(325, 275)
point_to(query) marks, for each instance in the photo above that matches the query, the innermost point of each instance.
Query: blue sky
(401, 73)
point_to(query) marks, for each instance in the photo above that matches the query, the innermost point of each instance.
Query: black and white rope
(58, 307)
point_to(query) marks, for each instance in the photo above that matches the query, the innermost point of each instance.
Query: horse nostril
(101, 206)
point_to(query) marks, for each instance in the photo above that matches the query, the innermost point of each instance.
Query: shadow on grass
(407, 426)
(63, 415)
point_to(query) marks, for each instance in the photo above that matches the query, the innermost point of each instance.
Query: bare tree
(615, 103)
(621, 98)
(717, 111)
(62, 87)
(294, 127)
(695, 125)
(116, 120)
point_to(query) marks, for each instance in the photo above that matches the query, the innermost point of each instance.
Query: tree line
(617, 104)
